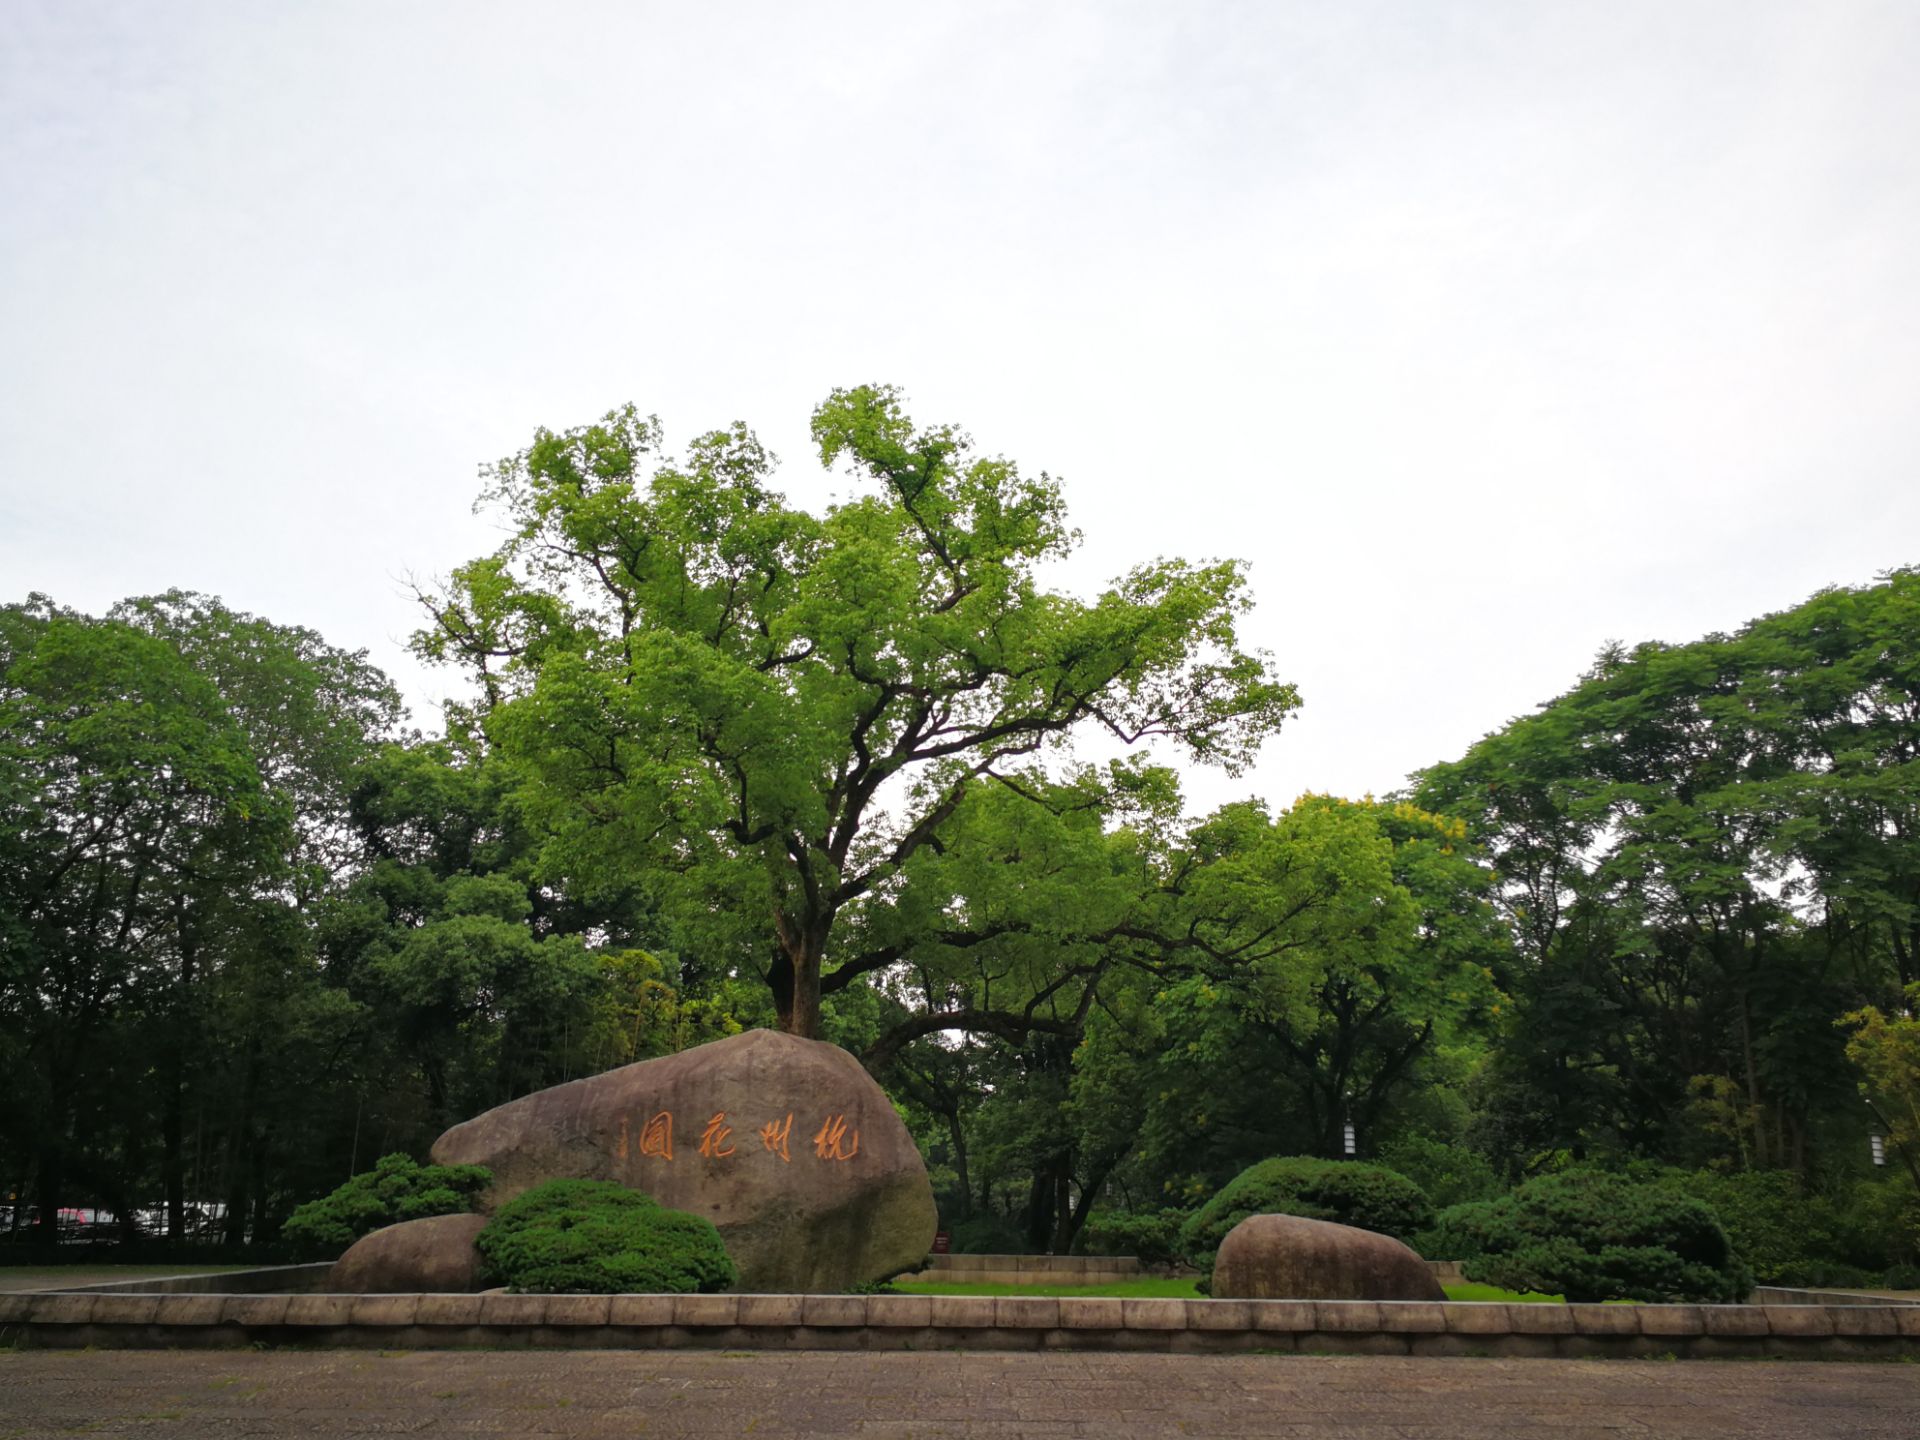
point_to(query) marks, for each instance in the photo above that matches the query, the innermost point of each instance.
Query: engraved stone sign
(786, 1145)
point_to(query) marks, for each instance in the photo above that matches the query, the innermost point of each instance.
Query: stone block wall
(917, 1322)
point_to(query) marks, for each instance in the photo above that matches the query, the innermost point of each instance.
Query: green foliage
(1346, 1192)
(1593, 1236)
(173, 780)
(1450, 1174)
(794, 666)
(1152, 1235)
(986, 1235)
(595, 1237)
(1776, 1227)
(482, 980)
(1710, 852)
(1886, 1048)
(397, 1188)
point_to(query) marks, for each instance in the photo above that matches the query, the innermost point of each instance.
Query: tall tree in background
(699, 677)
(479, 982)
(1192, 992)
(135, 827)
(172, 786)
(1709, 851)
(310, 715)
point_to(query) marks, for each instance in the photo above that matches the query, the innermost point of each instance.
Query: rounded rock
(434, 1255)
(787, 1145)
(1286, 1257)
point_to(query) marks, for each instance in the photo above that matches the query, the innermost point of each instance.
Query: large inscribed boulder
(435, 1255)
(786, 1145)
(1285, 1257)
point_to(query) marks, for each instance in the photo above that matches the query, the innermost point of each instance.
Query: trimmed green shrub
(1460, 1232)
(396, 1189)
(1347, 1192)
(598, 1238)
(986, 1235)
(1152, 1235)
(1591, 1236)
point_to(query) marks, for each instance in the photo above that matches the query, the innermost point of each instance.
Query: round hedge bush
(1348, 1192)
(1592, 1236)
(594, 1237)
(1151, 1236)
(396, 1189)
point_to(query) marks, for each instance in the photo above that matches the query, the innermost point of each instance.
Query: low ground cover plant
(397, 1188)
(598, 1238)
(1592, 1236)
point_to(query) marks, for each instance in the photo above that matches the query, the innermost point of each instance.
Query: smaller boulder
(435, 1255)
(1285, 1257)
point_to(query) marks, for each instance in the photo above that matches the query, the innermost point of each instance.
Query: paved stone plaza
(604, 1394)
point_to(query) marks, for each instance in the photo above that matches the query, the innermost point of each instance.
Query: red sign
(942, 1242)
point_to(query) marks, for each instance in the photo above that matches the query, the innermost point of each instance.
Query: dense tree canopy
(1708, 855)
(729, 763)
(698, 676)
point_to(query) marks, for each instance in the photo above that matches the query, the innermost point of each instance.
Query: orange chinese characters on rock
(832, 1141)
(656, 1138)
(715, 1137)
(773, 1136)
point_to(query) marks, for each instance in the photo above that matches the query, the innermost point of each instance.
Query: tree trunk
(172, 1161)
(959, 1140)
(258, 1227)
(1755, 1114)
(174, 1036)
(1040, 1209)
(801, 1013)
(1074, 1220)
(48, 1184)
(1063, 1226)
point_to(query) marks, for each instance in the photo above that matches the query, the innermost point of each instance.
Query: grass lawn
(1494, 1292)
(1154, 1287)
(1151, 1287)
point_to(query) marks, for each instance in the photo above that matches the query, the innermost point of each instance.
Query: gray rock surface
(786, 1145)
(435, 1255)
(1284, 1257)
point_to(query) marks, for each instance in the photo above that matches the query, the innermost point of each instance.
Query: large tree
(1710, 851)
(784, 708)
(134, 828)
(173, 780)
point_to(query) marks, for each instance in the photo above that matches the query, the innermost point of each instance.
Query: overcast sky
(1486, 332)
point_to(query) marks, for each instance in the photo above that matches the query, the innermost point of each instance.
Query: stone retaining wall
(267, 1280)
(1788, 1295)
(934, 1322)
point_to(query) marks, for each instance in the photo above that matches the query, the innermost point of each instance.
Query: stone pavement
(603, 1394)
